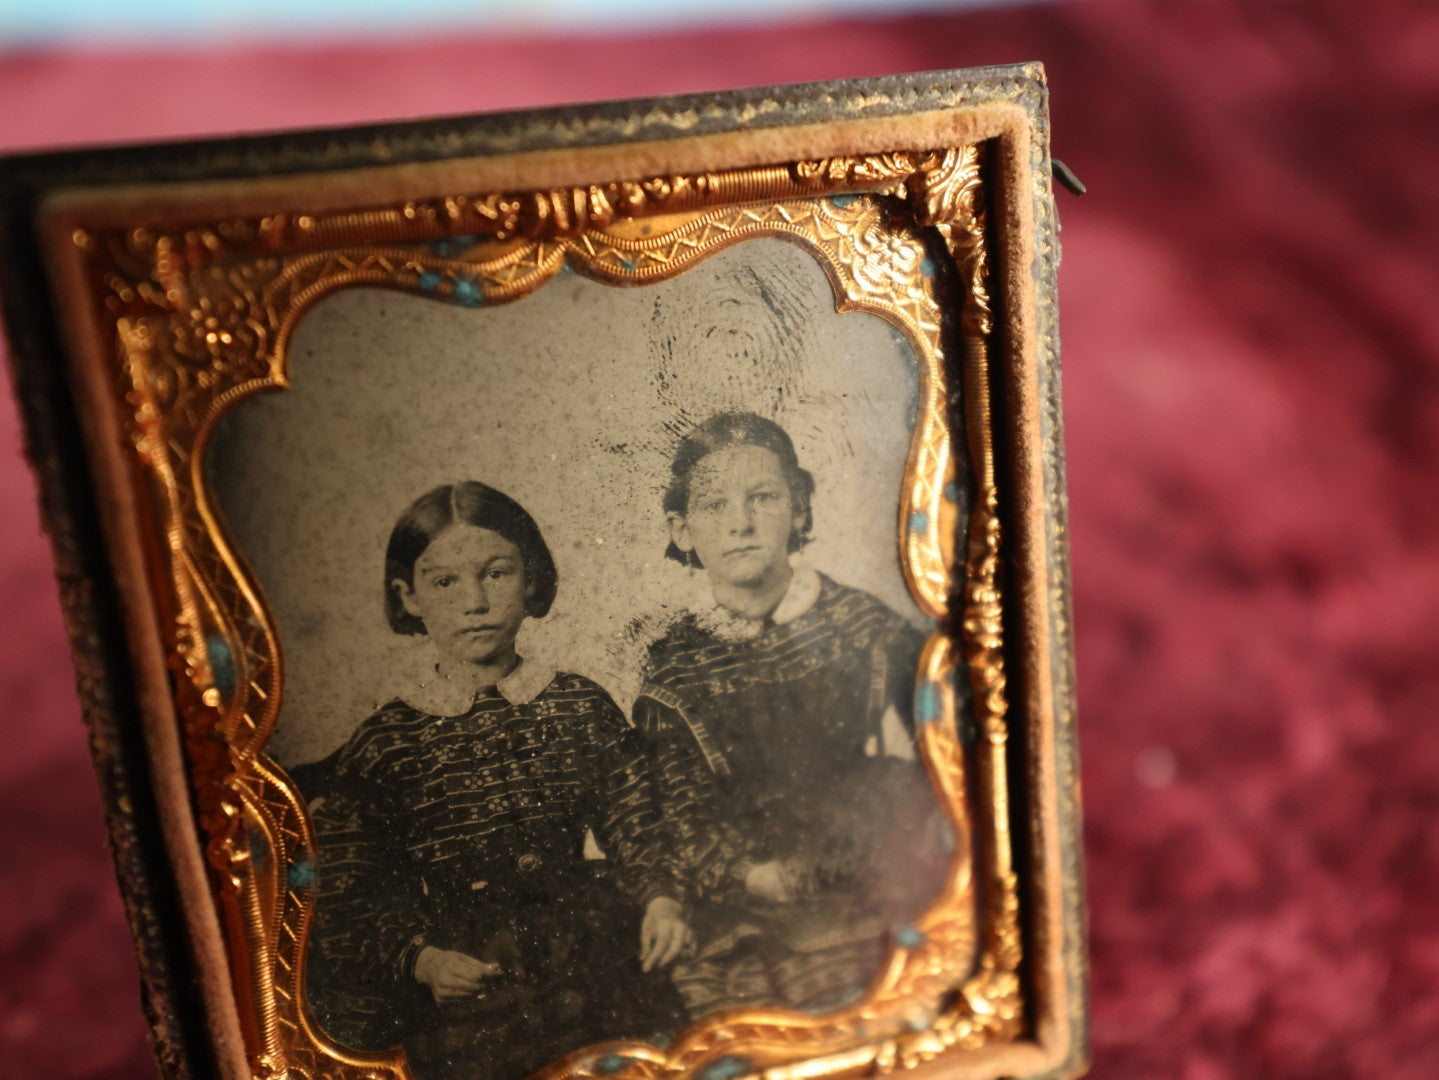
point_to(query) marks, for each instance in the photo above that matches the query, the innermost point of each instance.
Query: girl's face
(470, 592)
(740, 516)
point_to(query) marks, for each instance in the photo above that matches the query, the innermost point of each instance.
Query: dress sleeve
(900, 649)
(707, 854)
(626, 820)
(370, 903)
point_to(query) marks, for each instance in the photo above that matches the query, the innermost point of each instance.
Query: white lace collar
(801, 595)
(439, 695)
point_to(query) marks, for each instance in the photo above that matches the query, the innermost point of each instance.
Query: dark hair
(469, 503)
(720, 432)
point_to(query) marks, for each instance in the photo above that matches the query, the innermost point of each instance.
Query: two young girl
(769, 763)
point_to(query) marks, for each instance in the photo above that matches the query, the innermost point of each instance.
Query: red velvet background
(1251, 345)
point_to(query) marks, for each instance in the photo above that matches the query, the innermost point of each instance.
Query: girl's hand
(664, 934)
(770, 881)
(452, 976)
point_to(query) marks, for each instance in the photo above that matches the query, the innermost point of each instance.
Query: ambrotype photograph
(600, 660)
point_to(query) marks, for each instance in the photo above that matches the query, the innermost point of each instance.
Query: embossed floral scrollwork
(228, 849)
(886, 257)
(554, 213)
(949, 194)
(887, 172)
(208, 333)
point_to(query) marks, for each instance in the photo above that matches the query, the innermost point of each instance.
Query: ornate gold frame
(199, 317)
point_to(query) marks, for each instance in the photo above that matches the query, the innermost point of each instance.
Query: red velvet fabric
(1252, 381)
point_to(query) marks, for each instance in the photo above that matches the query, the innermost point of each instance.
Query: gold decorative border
(202, 317)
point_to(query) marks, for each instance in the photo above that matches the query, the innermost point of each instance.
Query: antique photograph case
(579, 593)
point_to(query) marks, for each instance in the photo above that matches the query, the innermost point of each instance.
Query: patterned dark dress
(467, 832)
(791, 739)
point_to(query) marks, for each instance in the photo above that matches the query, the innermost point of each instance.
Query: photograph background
(1251, 380)
(572, 401)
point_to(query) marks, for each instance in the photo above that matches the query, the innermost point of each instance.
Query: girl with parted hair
(778, 718)
(457, 912)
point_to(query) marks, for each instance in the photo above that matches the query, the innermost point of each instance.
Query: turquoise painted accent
(907, 937)
(429, 282)
(951, 492)
(302, 874)
(222, 664)
(257, 846)
(919, 522)
(926, 703)
(452, 244)
(839, 202)
(610, 1063)
(628, 264)
(468, 293)
(926, 267)
(725, 1068)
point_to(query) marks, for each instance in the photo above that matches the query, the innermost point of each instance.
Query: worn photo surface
(598, 656)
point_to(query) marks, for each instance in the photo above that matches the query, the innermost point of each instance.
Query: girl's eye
(765, 497)
(444, 582)
(714, 506)
(500, 572)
